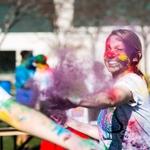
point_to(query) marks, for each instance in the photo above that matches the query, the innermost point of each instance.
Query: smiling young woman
(124, 118)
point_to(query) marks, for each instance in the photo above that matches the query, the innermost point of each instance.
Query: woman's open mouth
(112, 63)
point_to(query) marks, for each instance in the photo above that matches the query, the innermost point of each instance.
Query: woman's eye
(119, 49)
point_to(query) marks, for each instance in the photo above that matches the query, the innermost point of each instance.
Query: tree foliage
(26, 13)
(111, 12)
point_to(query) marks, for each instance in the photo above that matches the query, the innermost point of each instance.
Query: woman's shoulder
(136, 84)
(132, 77)
(132, 81)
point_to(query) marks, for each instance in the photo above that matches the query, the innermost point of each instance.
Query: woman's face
(115, 56)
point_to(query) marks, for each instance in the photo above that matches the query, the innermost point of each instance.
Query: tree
(19, 9)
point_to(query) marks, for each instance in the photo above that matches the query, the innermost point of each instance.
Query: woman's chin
(113, 69)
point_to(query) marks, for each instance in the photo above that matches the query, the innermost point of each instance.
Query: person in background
(43, 79)
(124, 118)
(23, 75)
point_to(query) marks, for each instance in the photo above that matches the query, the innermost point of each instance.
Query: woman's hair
(133, 46)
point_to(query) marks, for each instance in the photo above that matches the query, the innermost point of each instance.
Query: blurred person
(43, 79)
(124, 118)
(23, 75)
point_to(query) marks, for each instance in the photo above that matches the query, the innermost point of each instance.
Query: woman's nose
(110, 54)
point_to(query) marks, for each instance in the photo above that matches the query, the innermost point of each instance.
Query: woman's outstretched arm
(35, 123)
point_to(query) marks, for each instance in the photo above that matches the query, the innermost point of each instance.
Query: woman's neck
(121, 73)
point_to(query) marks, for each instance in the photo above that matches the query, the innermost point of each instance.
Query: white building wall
(48, 43)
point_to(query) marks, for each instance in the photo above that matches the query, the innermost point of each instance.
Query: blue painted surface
(6, 85)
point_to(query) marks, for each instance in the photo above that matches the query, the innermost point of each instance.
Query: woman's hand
(74, 100)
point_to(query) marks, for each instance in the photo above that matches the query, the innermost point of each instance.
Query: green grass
(8, 141)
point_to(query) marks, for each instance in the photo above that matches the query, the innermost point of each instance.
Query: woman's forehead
(113, 40)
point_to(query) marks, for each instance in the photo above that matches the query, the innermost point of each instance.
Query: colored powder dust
(72, 77)
(76, 78)
(123, 57)
(60, 130)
